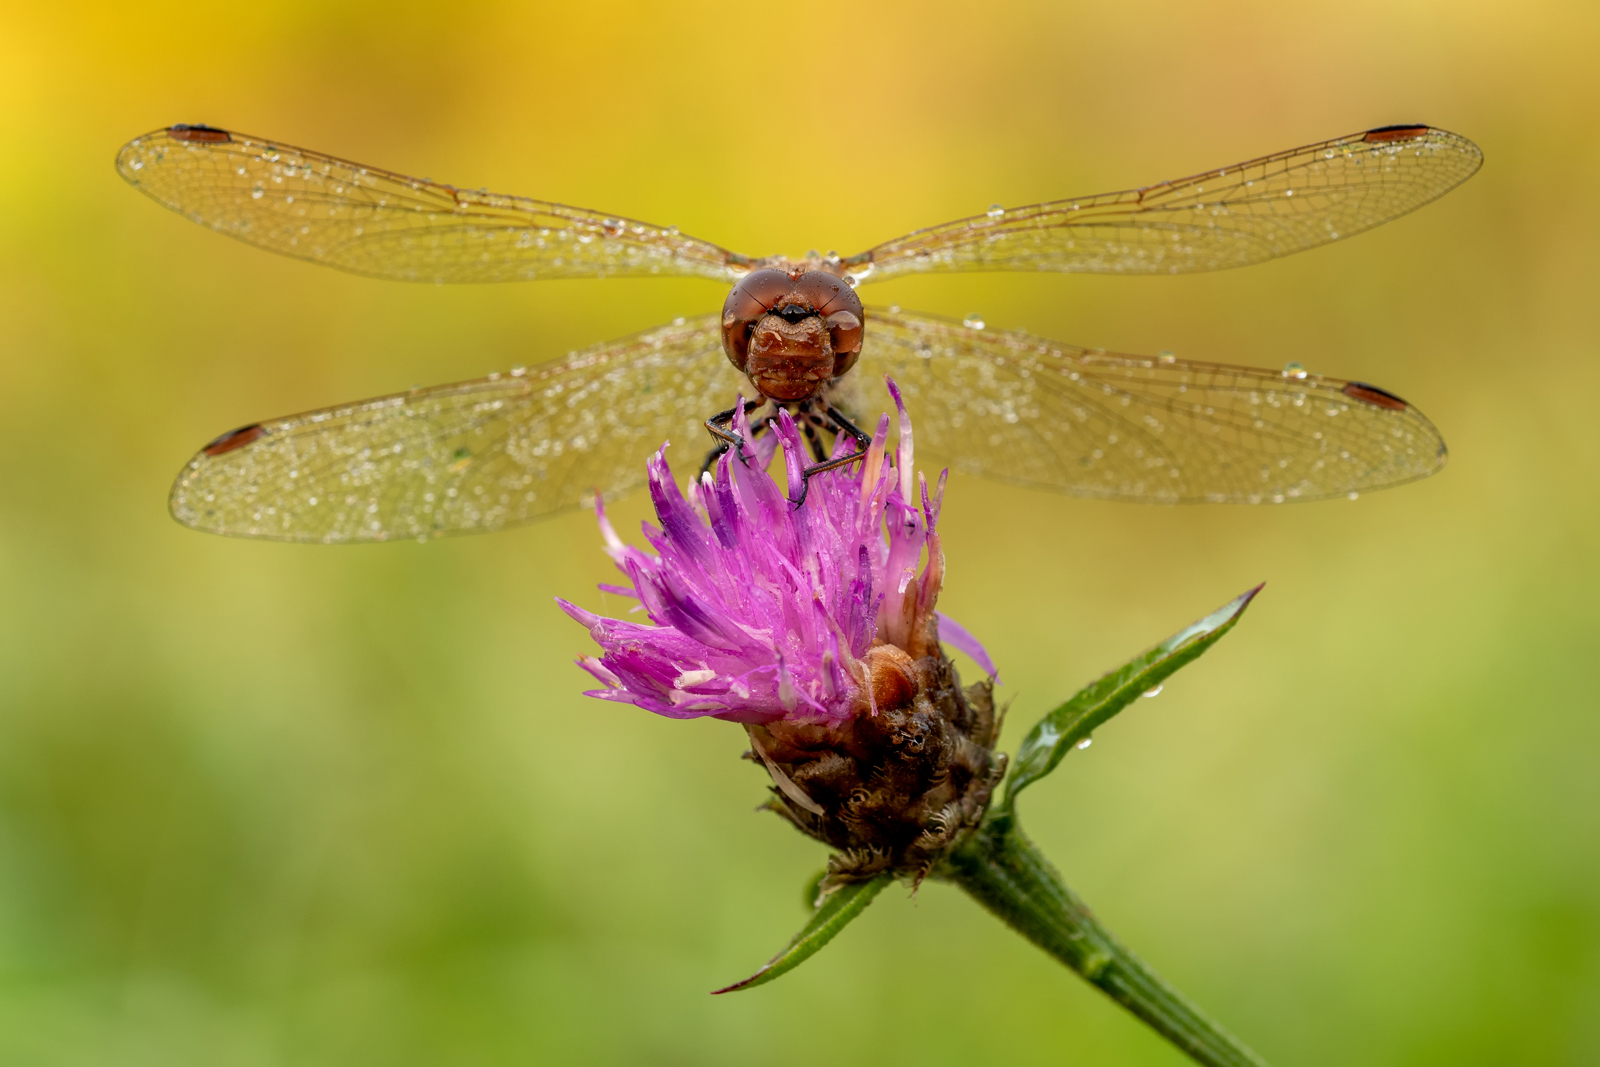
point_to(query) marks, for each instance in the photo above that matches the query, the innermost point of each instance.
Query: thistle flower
(815, 627)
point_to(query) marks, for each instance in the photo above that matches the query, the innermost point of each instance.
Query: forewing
(1034, 412)
(464, 458)
(1228, 217)
(369, 221)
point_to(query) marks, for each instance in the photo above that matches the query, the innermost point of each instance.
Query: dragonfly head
(791, 331)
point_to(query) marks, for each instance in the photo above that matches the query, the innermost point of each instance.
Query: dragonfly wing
(375, 222)
(1035, 412)
(463, 458)
(1228, 217)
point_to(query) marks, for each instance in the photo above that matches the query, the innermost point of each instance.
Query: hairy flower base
(891, 791)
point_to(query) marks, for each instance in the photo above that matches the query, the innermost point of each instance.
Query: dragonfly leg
(840, 424)
(844, 425)
(720, 427)
(712, 457)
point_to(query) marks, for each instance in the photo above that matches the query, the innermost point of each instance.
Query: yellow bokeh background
(266, 804)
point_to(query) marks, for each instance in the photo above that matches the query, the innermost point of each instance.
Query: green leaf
(842, 905)
(1056, 734)
(812, 895)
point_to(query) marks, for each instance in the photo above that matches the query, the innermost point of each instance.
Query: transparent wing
(1229, 217)
(468, 457)
(1034, 412)
(369, 221)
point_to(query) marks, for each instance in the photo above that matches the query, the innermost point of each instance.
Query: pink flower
(814, 626)
(766, 611)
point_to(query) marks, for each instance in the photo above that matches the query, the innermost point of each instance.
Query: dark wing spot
(235, 439)
(1395, 133)
(1371, 394)
(198, 132)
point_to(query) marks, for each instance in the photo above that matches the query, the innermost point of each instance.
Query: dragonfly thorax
(792, 331)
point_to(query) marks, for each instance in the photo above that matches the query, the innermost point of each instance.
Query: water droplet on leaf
(1153, 692)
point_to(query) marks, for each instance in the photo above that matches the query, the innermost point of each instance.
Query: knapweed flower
(813, 624)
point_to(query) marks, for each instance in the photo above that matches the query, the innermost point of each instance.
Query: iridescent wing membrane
(511, 448)
(1013, 407)
(1035, 412)
(369, 221)
(1228, 217)
(464, 458)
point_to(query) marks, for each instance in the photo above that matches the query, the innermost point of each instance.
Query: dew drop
(1354, 494)
(1294, 369)
(1168, 357)
(1085, 743)
(973, 321)
(995, 211)
(518, 371)
(1153, 692)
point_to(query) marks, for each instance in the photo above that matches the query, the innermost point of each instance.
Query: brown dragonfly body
(515, 447)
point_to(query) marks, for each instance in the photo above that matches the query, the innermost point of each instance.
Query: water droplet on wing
(1294, 369)
(973, 322)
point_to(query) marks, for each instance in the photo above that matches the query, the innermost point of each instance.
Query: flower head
(765, 610)
(814, 625)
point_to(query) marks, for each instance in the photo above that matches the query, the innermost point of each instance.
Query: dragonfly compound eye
(845, 329)
(836, 301)
(755, 295)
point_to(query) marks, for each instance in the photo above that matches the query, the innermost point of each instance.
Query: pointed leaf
(1055, 734)
(842, 905)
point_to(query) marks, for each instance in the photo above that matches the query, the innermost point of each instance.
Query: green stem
(1001, 869)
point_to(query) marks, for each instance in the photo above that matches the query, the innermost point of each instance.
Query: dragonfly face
(792, 331)
(1028, 410)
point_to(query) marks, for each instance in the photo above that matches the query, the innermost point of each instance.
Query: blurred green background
(265, 804)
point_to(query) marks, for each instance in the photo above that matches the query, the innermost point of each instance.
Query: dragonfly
(793, 334)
